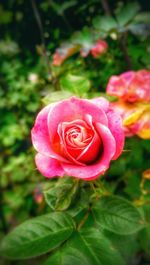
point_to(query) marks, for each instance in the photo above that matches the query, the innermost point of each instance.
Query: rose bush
(77, 137)
(130, 86)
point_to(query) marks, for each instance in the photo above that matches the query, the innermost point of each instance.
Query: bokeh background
(31, 31)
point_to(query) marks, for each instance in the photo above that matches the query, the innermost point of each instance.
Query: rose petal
(90, 153)
(131, 86)
(128, 77)
(71, 109)
(49, 167)
(116, 128)
(64, 146)
(115, 86)
(101, 102)
(92, 171)
(40, 135)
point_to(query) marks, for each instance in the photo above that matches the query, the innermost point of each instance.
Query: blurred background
(45, 56)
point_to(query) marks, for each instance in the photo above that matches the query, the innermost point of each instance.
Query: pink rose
(77, 137)
(130, 86)
(99, 48)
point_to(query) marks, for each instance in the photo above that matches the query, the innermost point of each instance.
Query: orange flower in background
(133, 92)
(146, 174)
(130, 86)
(63, 53)
(136, 118)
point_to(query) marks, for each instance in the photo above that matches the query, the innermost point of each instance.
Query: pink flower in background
(38, 195)
(99, 48)
(68, 49)
(136, 118)
(130, 86)
(77, 137)
(95, 49)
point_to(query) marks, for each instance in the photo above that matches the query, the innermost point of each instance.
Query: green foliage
(60, 196)
(37, 236)
(78, 85)
(127, 13)
(90, 231)
(117, 215)
(94, 249)
(99, 222)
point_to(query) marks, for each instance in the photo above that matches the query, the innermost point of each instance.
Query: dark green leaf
(127, 245)
(105, 23)
(117, 215)
(60, 197)
(60, 9)
(37, 236)
(144, 238)
(143, 17)
(127, 13)
(87, 247)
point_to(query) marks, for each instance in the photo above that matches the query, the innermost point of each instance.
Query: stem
(123, 37)
(66, 22)
(83, 220)
(2, 215)
(40, 26)
(106, 7)
(123, 47)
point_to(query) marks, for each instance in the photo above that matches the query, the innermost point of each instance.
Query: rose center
(78, 136)
(78, 141)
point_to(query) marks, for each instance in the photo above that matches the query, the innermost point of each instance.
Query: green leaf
(84, 38)
(105, 23)
(79, 85)
(60, 197)
(144, 235)
(37, 236)
(127, 13)
(87, 247)
(117, 215)
(133, 185)
(144, 239)
(56, 96)
(127, 245)
(143, 17)
(140, 29)
(60, 9)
